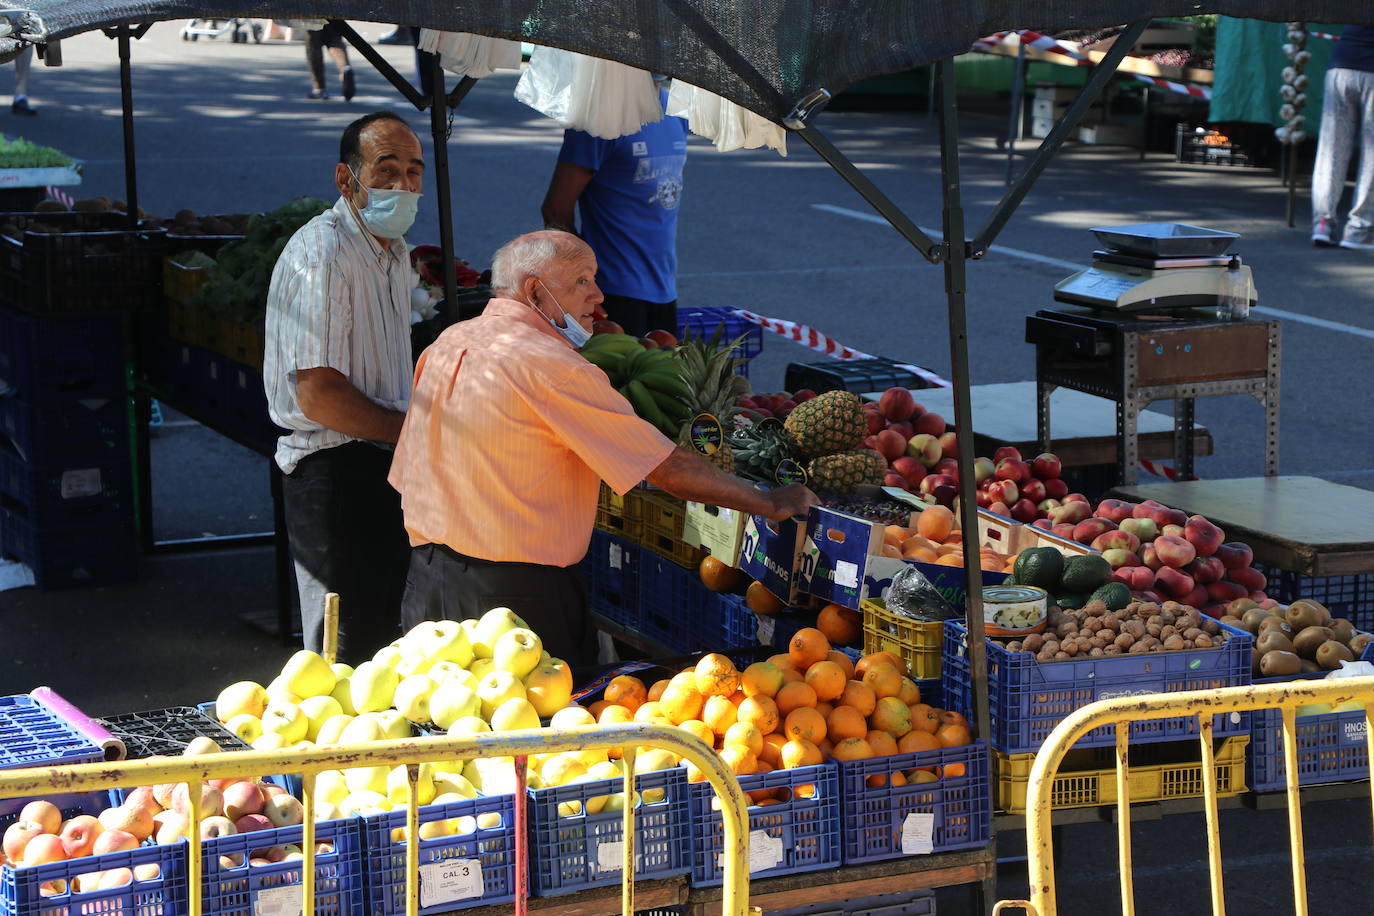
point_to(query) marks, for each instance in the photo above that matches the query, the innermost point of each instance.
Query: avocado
(1114, 594)
(1070, 600)
(1010, 580)
(1086, 573)
(1040, 567)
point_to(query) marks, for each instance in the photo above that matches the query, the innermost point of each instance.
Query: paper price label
(450, 881)
(846, 574)
(918, 834)
(278, 901)
(617, 556)
(764, 851)
(766, 627)
(77, 484)
(611, 856)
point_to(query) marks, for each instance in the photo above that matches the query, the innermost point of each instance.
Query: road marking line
(1068, 265)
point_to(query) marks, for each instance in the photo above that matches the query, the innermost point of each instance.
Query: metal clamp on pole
(797, 117)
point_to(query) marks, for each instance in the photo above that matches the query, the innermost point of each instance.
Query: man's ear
(343, 180)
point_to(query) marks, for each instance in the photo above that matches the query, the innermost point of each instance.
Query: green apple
(286, 720)
(361, 730)
(245, 697)
(496, 688)
(446, 783)
(517, 651)
(451, 702)
(398, 785)
(363, 801)
(330, 786)
(514, 714)
(442, 640)
(331, 730)
(490, 627)
(341, 670)
(343, 692)
(549, 686)
(246, 726)
(413, 696)
(394, 725)
(388, 656)
(318, 710)
(307, 674)
(372, 686)
(369, 779)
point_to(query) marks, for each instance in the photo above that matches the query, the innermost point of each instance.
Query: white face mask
(389, 214)
(573, 333)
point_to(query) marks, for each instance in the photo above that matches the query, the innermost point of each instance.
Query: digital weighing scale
(1155, 266)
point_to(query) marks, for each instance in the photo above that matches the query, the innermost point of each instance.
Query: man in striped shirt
(509, 434)
(337, 372)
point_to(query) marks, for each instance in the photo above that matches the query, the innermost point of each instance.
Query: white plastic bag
(471, 55)
(604, 98)
(726, 124)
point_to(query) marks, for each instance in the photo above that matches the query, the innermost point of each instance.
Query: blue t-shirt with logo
(628, 212)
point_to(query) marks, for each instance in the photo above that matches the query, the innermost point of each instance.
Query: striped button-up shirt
(509, 433)
(338, 300)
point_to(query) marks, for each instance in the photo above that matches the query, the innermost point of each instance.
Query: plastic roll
(92, 730)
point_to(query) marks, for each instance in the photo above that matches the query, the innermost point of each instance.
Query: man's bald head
(533, 254)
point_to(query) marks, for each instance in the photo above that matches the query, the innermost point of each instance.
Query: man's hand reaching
(790, 502)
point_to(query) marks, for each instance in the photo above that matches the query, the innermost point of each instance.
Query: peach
(142, 797)
(1252, 579)
(931, 481)
(1161, 515)
(1116, 540)
(874, 418)
(1234, 555)
(132, 819)
(893, 479)
(890, 444)
(1142, 577)
(931, 423)
(1149, 557)
(1080, 498)
(114, 841)
(872, 443)
(1143, 528)
(173, 826)
(1196, 598)
(45, 848)
(44, 813)
(1203, 535)
(1173, 531)
(1064, 530)
(1046, 506)
(904, 428)
(1174, 551)
(1046, 466)
(1086, 531)
(1023, 510)
(1034, 490)
(948, 466)
(1174, 581)
(925, 448)
(252, 822)
(1205, 570)
(211, 800)
(1004, 491)
(1042, 523)
(1056, 489)
(1071, 513)
(17, 837)
(79, 835)
(1119, 557)
(998, 507)
(949, 445)
(1114, 510)
(897, 404)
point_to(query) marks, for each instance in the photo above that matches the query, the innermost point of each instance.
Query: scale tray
(1165, 240)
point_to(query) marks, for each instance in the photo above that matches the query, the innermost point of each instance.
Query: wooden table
(1084, 425)
(1302, 524)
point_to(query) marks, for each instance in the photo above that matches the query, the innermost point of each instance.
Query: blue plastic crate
(800, 834)
(611, 573)
(1028, 698)
(888, 822)
(21, 889)
(244, 412)
(48, 357)
(738, 624)
(1351, 597)
(78, 554)
(582, 850)
(704, 320)
(673, 603)
(84, 482)
(247, 890)
(44, 432)
(1331, 746)
(481, 863)
(785, 626)
(933, 695)
(31, 735)
(69, 804)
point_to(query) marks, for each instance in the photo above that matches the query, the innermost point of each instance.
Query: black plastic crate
(244, 408)
(1199, 146)
(168, 731)
(86, 486)
(43, 357)
(46, 432)
(856, 375)
(1351, 597)
(74, 556)
(79, 262)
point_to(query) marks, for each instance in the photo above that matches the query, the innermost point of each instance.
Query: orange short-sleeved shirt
(507, 438)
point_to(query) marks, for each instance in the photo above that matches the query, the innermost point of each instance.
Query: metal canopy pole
(126, 99)
(1017, 116)
(438, 125)
(1102, 73)
(382, 65)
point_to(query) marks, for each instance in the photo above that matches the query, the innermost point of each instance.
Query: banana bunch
(651, 380)
(759, 449)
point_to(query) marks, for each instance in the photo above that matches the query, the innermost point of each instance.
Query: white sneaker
(1358, 239)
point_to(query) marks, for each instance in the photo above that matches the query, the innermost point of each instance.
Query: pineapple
(844, 471)
(709, 371)
(828, 423)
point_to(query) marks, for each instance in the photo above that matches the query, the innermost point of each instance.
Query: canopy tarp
(766, 55)
(1250, 61)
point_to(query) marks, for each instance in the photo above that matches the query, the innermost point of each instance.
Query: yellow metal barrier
(411, 753)
(1204, 704)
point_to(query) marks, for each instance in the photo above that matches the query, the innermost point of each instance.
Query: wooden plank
(1288, 521)
(598, 901)
(1142, 65)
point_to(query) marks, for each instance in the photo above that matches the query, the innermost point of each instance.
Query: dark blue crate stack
(1330, 746)
(245, 405)
(1028, 698)
(66, 479)
(1351, 597)
(610, 571)
(704, 321)
(677, 610)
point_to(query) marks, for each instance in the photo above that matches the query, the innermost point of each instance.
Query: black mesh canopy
(766, 55)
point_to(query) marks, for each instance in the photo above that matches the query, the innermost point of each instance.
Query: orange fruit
(808, 646)
(827, 679)
(761, 679)
(700, 730)
(841, 625)
(873, 658)
(718, 576)
(950, 717)
(883, 679)
(920, 555)
(678, 704)
(612, 714)
(772, 749)
(915, 741)
(924, 719)
(740, 760)
(935, 522)
(898, 779)
(845, 722)
(825, 708)
(951, 771)
(806, 723)
(951, 559)
(890, 550)
(782, 660)
(898, 533)
(719, 714)
(761, 601)
(657, 689)
(650, 711)
(627, 691)
(954, 735)
(686, 679)
(883, 744)
(844, 661)
(892, 716)
(596, 708)
(910, 693)
(795, 696)
(716, 676)
(761, 712)
(860, 696)
(746, 735)
(791, 675)
(912, 543)
(852, 749)
(799, 753)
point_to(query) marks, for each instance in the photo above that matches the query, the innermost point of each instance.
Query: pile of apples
(778, 404)
(490, 674)
(1162, 553)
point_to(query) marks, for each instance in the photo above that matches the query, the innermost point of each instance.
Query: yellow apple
(243, 698)
(341, 670)
(394, 725)
(496, 688)
(319, 710)
(369, 779)
(452, 701)
(410, 663)
(364, 800)
(330, 786)
(285, 719)
(412, 697)
(571, 717)
(490, 627)
(372, 686)
(278, 692)
(515, 713)
(307, 674)
(268, 741)
(549, 686)
(517, 651)
(481, 667)
(361, 730)
(446, 783)
(443, 672)
(469, 725)
(331, 730)
(398, 785)
(441, 640)
(561, 769)
(386, 656)
(246, 725)
(343, 692)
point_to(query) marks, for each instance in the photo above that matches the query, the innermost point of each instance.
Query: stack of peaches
(799, 708)
(936, 539)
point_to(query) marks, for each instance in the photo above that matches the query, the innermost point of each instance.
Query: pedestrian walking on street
(1347, 116)
(318, 36)
(22, 64)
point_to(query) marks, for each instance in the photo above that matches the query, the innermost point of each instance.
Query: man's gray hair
(529, 256)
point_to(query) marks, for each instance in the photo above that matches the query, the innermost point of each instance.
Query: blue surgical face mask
(574, 333)
(389, 214)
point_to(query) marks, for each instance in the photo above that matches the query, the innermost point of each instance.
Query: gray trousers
(1347, 116)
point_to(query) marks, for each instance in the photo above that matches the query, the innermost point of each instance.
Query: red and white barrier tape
(1327, 35)
(1031, 39)
(1160, 470)
(56, 193)
(1195, 91)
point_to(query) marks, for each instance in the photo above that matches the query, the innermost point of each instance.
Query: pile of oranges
(935, 539)
(799, 708)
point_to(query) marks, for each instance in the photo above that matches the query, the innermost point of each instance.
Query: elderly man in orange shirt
(508, 436)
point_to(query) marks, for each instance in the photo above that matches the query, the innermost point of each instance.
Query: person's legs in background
(338, 52)
(1334, 145)
(1359, 225)
(314, 61)
(22, 64)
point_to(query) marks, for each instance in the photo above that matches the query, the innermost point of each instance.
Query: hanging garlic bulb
(1294, 82)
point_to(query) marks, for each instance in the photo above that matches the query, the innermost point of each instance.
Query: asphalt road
(225, 127)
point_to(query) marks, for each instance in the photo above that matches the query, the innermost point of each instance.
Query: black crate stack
(67, 505)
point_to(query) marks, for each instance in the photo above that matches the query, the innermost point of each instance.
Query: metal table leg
(1042, 414)
(1183, 437)
(1271, 403)
(286, 573)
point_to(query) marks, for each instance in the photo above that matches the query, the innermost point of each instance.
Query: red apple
(1056, 489)
(46, 848)
(1252, 579)
(662, 338)
(606, 327)
(1203, 535)
(904, 429)
(1006, 451)
(1005, 492)
(1034, 490)
(876, 422)
(1075, 498)
(931, 481)
(113, 841)
(984, 498)
(931, 423)
(983, 469)
(1174, 551)
(648, 343)
(1234, 555)
(948, 466)
(893, 479)
(1000, 508)
(925, 448)
(945, 494)
(897, 404)
(1174, 582)
(949, 445)
(79, 835)
(1046, 506)
(909, 468)
(1023, 510)
(252, 822)
(1196, 598)
(1046, 466)
(803, 394)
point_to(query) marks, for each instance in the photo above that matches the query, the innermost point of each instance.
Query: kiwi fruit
(1330, 654)
(1343, 629)
(1275, 623)
(1310, 667)
(1358, 642)
(1232, 621)
(1307, 613)
(1309, 639)
(1279, 663)
(1273, 640)
(1251, 618)
(48, 205)
(1239, 606)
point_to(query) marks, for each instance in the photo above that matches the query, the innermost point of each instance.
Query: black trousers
(345, 527)
(445, 585)
(639, 316)
(316, 41)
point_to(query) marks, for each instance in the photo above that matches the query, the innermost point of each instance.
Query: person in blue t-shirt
(1347, 118)
(626, 192)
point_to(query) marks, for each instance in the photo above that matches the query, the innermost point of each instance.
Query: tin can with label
(1014, 610)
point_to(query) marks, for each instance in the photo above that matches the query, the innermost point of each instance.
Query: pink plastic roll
(92, 730)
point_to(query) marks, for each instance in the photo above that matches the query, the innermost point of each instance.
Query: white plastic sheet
(603, 98)
(471, 55)
(726, 124)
